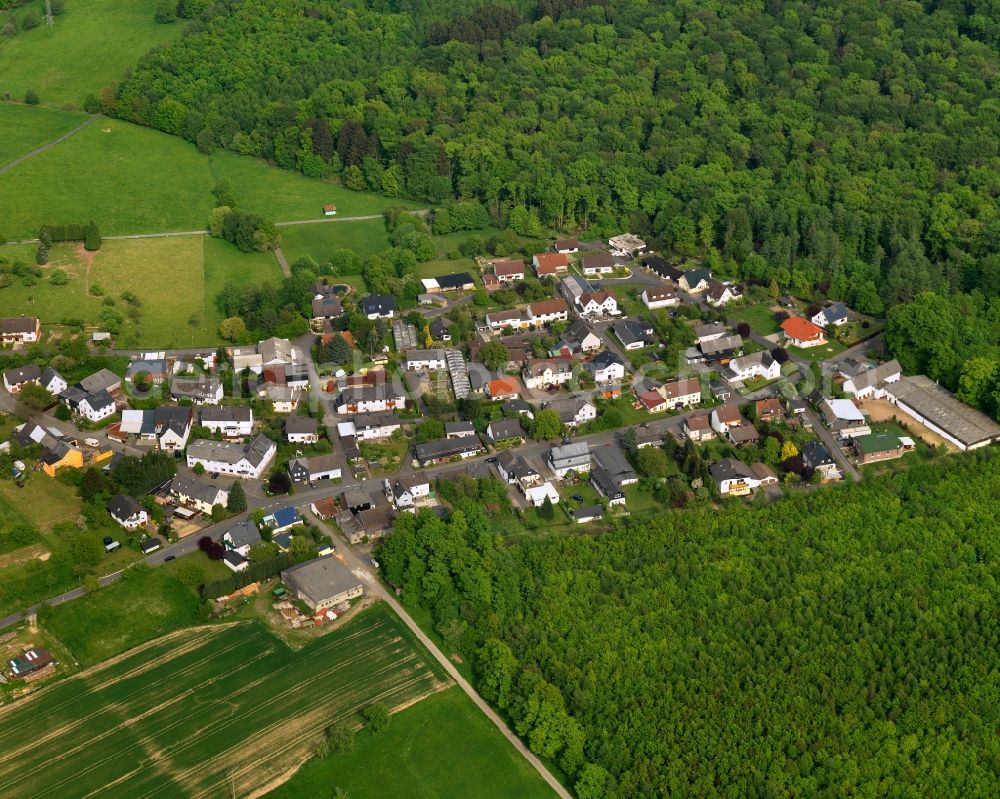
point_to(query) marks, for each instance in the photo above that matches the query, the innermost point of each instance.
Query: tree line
(825, 645)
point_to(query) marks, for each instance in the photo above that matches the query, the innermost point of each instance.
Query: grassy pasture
(90, 46)
(204, 711)
(26, 127)
(177, 280)
(131, 179)
(366, 238)
(440, 747)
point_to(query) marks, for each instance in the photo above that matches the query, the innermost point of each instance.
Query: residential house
(720, 391)
(544, 374)
(92, 407)
(549, 264)
(571, 457)
(573, 411)
(769, 410)
(661, 296)
(835, 313)
(597, 263)
(153, 370)
(755, 365)
(378, 306)
(322, 583)
(514, 470)
(709, 331)
(127, 512)
(545, 312)
(537, 495)
(573, 286)
(844, 418)
(59, 456)
(605, 485)
(606, 367)
(586, 513)
(647, 436)
(405, 492)
(240, 536)
(566, 246)
(312, 470)
(282, 520)
(197, 494)
(246, 461)
(246, 358)
(439, 328)
(203, 390)
(326, 306)
(653, 401)
(17, 378)
(597, 303)
(939, 410)
(744, 433)
(685, 393)
(102, 380)
(371, 426)
(490, 282)
(235, 562)
(455, 281)
(498, 320)
(724, 417)
(426, 361)
(733, 478)
(20, 330)
(508, 271)
(658, 266)
(633, 334)
(695, 281)
(722, 348)
(301, 430)
(873, 382)
(518, 407)
(325, 508)
(503, 388)
(579, 337)
(718, 294)
(230, 420)
(505, 431)
(816, 457)
(370, 399)
(167, 427)
(444, 449)
(881, 446)
(627, 245)
(698, 428)
(801, 332)
(53, 382)
(613, 461)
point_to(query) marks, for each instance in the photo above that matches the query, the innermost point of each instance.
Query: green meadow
(26, 127)
(90, 46)
(131, 179)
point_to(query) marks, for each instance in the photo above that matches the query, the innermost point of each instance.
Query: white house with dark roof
(661, 296)
(246, 461)
(232, 421)
(239, 537)
(20, 376)
(606, 367)
(833, 314)
(53, 382)
(566, 458)
(127, 512)
(198, 494)
(301, 430)
(20, 329)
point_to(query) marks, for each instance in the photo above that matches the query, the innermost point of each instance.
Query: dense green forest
(840, 643)
(846, 149)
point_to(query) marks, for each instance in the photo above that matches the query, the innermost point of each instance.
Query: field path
(20, 159)
(282, 262)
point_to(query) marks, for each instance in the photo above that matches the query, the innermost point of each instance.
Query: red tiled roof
(801, 329)
(503, 386)
(547, 307)
(508, 268)
(651, 399)
(681, 388)
(551, 261)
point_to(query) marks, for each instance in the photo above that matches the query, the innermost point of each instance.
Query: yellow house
(62, 456)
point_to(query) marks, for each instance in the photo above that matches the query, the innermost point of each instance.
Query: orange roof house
(549, 263)
(504, 388)
(801, 332)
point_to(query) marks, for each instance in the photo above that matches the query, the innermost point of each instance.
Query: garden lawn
(446, 267)
(89, 47)
(42, 500)
(760, 318)
(441, 747)
(122, 615)
(286, 196)
(820, 353)
(26, 127)
(320, 241)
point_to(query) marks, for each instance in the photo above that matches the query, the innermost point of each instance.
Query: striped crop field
(214, 711)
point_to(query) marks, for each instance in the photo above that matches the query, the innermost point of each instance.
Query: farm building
(322, 582)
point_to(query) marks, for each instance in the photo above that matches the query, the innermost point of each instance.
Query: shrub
(31, 97)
